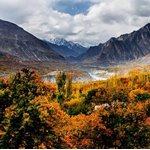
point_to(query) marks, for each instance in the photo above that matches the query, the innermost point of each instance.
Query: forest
(99, 114)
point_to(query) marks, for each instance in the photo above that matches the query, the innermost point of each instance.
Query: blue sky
(73, 7)
(88, 22)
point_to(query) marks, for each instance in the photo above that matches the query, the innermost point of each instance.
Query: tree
(69, 86)
(64, 84)
(127, 124)
(36, 127)
(23, 87)
(61, 81)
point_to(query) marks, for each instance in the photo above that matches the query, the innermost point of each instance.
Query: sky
(88, 22)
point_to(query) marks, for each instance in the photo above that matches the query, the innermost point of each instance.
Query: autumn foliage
(35, 114)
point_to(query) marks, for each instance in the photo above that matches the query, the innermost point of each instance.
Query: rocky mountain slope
(125, 48)
(18, 43)
(20, 48)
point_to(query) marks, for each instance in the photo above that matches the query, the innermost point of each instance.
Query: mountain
(62, 50)
(66, 48)
(142, 61)
(119, 50)
(18, 43)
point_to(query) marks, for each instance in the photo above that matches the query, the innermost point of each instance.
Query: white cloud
(105, 18)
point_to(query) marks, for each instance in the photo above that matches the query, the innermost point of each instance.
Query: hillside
(119, 50)
(17, 42)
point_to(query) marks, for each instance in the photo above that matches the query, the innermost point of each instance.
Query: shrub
(127, 124)
(139, 95)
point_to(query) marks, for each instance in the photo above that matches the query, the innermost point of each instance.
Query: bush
(91, 96)
(121, 95)
(139, 95)
(127, 124)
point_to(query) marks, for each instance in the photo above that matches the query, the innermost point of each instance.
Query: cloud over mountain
(94, 22)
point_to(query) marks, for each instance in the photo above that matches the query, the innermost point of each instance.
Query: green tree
(23, 87)
(69, 86)
(61, 82)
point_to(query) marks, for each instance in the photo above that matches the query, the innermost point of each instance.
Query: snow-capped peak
(63, 42)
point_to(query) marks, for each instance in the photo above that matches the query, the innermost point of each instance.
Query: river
(91, 74)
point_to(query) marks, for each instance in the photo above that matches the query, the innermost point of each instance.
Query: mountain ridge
(22, 46)
(19, 43)
(119, 50)
(66, 48)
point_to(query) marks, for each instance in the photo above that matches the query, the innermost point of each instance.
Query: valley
(82, 75)
(75, 74)
(20, 49)
(64, 95)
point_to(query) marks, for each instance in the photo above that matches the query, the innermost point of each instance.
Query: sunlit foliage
(35, 114)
